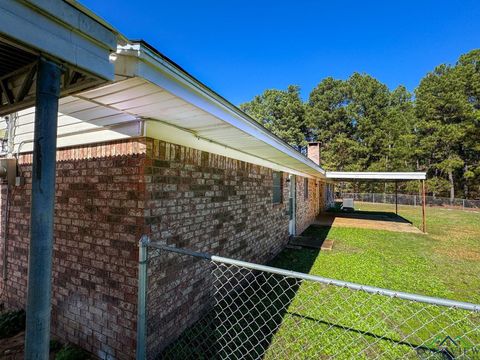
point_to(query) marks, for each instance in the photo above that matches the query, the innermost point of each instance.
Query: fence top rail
(319, 279)
(430, 197)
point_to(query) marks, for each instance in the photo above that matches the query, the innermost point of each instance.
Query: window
(277, 187)
(305, 188)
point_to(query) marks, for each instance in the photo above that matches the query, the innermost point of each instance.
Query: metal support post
(424, 221)
(142, 298)
(396, 197)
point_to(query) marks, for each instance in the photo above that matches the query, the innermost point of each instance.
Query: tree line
(362, 125)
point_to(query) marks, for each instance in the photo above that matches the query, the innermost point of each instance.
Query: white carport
(396, 177)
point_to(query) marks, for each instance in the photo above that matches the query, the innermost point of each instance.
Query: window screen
(277, 187)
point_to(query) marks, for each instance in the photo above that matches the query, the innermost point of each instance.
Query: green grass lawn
(274, 317)
(443, 263)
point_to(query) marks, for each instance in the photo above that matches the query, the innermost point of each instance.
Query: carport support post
(396, 197)
(37, 336)
(424, 222)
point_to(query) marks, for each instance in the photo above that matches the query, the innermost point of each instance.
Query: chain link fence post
(142, 298)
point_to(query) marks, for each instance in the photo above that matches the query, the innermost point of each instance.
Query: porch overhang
(60, 31)
(64, 30)
(48, 49)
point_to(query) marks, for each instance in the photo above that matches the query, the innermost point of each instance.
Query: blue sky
(240, 48)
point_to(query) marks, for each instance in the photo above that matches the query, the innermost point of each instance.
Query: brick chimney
(314, 152)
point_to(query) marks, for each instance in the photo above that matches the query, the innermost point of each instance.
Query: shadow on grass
(420, 349)
(336, 211)
(243, 320)
(248, 308)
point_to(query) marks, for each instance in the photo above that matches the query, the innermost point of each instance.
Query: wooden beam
(27, 83)
(8, 93)
(424, 222)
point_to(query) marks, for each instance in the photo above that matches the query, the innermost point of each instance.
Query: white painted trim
(56, 29)
(128, 129)
(387, 176)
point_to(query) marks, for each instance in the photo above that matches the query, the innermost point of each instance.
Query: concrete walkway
(365, 220)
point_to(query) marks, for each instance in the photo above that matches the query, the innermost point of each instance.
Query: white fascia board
(172, 134)
(159, 71)
(58, 30)
(349, 175)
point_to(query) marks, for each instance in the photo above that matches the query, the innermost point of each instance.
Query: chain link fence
(414, 200)
(250, 311)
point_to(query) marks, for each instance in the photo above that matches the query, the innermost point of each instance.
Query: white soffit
(380, 176)
(79, 122)
(158, 94)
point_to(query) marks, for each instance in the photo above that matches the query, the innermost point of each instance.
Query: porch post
(37, 336)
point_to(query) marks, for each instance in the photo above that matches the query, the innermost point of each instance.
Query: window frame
(277, 187)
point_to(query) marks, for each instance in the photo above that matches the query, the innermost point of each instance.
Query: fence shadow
(419, 348)
(248, 309)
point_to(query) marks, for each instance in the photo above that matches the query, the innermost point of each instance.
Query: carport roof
(371, 176)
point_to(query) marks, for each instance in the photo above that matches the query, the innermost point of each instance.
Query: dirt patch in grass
(459, 253)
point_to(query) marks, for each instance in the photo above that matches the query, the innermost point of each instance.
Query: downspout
(5, 232)
(10, 135)
(141, 350)
(11, 129)
(7, 215)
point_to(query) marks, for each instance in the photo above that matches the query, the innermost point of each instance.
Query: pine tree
(282, 112)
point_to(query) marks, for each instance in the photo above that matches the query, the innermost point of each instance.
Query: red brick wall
(107, 196)
(322, 188)
(98, 221)
(307, 208)
(207, 203)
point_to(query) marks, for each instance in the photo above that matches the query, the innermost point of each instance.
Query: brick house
(154, 152)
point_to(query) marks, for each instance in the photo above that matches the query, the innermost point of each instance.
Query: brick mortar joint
(95, 151)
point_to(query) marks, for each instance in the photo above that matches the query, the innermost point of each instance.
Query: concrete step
(311, 242)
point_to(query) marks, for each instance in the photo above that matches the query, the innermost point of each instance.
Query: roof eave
(148, 54)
